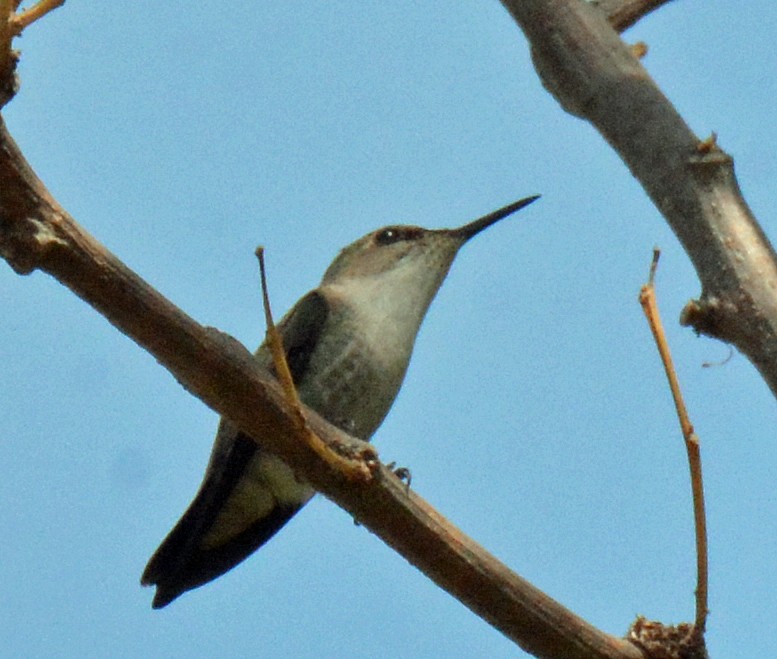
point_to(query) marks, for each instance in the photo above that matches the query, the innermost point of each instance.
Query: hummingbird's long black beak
(473, 228)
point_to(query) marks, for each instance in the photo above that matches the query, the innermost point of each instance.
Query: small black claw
(402, 473)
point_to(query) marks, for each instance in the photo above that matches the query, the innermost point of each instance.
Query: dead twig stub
(352, 468)
(647, 298)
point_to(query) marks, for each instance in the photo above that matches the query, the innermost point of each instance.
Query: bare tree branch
(593, 75)
(622, 14)
(36, 233)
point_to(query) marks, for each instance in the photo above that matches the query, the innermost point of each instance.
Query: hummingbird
(348, 344)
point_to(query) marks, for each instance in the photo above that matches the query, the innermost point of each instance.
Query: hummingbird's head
(410, 247)
(385, 282)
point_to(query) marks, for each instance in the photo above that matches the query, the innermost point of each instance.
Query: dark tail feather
(181, 563)
(209, 540)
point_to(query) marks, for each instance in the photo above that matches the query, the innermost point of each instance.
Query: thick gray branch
(622, 14)
(593, 74)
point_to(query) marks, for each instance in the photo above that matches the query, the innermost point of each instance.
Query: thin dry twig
(276, 343)
(20, 21)
(647, 298)
(353, 469)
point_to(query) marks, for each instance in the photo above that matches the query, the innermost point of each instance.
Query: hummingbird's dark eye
(391, 235)
(388, 236)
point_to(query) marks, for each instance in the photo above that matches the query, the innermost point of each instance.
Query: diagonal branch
(593, 75)
(622, 14)
(36, 233)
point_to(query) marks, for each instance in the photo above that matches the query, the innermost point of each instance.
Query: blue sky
(534, 414)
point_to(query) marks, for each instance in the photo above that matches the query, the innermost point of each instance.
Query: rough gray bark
(594, 75)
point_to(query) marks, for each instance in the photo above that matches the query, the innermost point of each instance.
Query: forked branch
(27, 17)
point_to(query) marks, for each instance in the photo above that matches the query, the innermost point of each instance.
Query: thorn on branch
(708, 144)
(639, 49)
